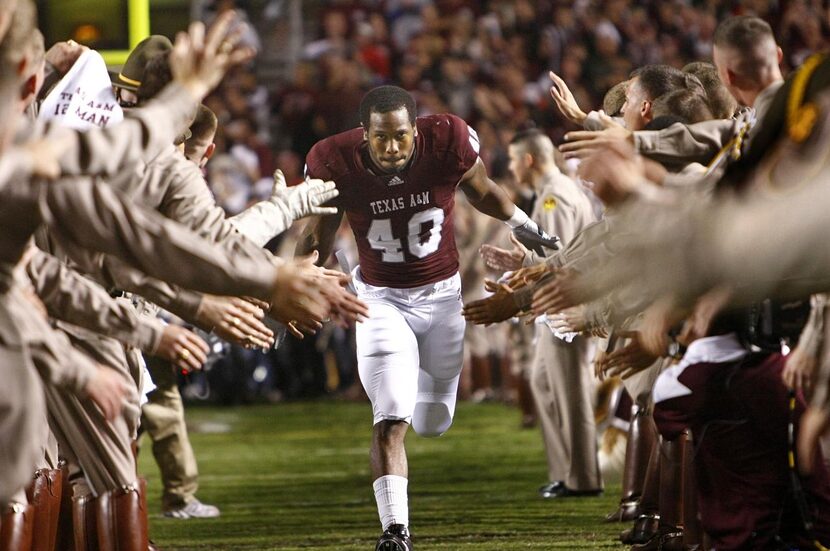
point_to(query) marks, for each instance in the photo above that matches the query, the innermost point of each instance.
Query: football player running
(397, 176)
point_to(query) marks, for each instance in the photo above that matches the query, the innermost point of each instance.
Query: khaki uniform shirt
(681, 144)
(72, 298)
(561, 209)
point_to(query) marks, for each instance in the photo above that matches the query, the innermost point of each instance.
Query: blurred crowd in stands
(486, 61)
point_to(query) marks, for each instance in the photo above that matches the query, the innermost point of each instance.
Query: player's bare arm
(318, 235)
(485, 195)
(489, 198)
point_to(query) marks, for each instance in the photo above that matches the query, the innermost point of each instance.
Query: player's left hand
(498, 307)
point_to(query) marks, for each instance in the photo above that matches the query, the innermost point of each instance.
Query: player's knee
(431, 419)
(389, 432)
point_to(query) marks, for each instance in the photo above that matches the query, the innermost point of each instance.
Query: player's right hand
(108, 389)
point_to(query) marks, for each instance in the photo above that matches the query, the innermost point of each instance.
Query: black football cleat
(394, 538)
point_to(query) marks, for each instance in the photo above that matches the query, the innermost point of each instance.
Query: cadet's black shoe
(558, 489)
(394, 538)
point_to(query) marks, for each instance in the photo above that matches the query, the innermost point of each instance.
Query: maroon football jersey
(402, 222)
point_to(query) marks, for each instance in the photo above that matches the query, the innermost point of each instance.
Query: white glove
(304, 199)
(265, 220)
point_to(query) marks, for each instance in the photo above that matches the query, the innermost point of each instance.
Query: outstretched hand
(305, 295)
(182, 348)
(236, 320)
(504, 260)
(565, 100)
(628, 360)
(555, 295)
(614, 171)
(303, 199)
(583, 143)
(199, 60)
(528, 275)
(499, 306)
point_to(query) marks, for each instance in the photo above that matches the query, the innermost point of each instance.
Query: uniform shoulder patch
(549, 203)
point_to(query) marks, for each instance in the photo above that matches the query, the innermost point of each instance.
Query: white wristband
(519, 218)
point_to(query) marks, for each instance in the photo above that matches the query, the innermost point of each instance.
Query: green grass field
(295, 476)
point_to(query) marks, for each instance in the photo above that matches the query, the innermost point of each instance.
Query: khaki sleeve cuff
(148, 334)
(556, 260)
(593, 122)
(531, 259)
(83, 370)
(174, 105)
(646, 141)
(186, 305)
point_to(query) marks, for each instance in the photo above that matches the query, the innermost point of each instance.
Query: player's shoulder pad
(447, 132)
(333, 157)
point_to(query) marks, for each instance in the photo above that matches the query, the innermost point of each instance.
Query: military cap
(132, 73)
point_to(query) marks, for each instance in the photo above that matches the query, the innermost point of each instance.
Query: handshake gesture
(306, 295)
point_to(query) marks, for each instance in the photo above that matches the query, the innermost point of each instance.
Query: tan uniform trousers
(22, 410)
(560, 379)
(101, 449)
(163, 419)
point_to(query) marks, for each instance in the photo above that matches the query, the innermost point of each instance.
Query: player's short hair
(385, 99)
(157, 75)
(614, 99)
(742, 33)
(657, 80)
(205, 124)
(721, 102)
(535, 142)
(690, 106)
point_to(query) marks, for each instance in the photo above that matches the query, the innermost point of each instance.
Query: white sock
(391, 497)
